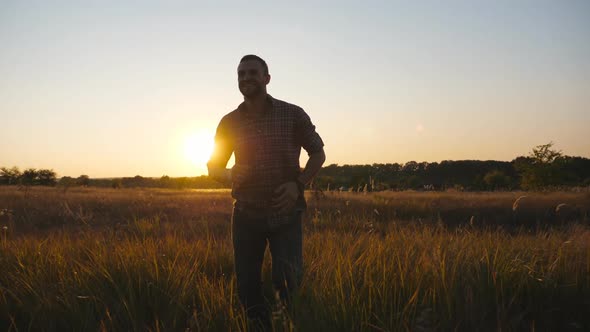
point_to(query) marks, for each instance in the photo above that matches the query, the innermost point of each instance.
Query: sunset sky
(110, 89)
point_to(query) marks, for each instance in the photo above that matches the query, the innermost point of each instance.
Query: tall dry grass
(139, 260)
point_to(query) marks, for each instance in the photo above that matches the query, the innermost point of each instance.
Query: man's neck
(256, 105)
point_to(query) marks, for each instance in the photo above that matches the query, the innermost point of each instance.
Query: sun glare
(198, 148)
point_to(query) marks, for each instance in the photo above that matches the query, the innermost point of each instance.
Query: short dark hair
(255, 58)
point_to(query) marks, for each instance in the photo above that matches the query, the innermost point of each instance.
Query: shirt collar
(269, 99)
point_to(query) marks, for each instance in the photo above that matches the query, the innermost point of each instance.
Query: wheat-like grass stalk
(518, 202)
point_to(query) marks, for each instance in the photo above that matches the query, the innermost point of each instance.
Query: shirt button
(259, 131)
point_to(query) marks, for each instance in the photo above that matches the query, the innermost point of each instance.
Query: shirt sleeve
(223, 147)
(306, 135)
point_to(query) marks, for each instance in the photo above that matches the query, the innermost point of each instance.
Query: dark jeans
(250, 236)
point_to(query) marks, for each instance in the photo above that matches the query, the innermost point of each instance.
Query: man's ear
(267, 79)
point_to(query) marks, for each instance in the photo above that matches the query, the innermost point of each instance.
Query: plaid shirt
(269, 145)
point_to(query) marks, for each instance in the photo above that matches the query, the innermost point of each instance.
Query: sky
(125, 88)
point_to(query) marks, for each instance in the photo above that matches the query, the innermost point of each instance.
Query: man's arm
(227, 176)
(312, 167)
(311, 142)
(288, 192)
(221, 153)
(219, 174)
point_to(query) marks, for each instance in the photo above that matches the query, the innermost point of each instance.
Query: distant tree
(541, 169)
(544, 154)
(412, 182)
(496, 180)
(411, 166)
(9, 175)
(574, 170)
(83, 180)
(116, 183)
(47, 177)
(29, 177)
(165, 181)
(136, 181)
(66, 181)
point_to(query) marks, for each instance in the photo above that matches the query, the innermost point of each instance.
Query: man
(266, 136)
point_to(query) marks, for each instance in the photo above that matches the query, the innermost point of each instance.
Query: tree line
(48, 177)
(543, 168)
(30, 176)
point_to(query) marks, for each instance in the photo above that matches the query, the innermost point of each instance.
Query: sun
(198, 148)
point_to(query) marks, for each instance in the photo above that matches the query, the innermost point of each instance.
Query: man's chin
(251, 93)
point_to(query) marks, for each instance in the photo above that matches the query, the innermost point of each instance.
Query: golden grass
(161, 260)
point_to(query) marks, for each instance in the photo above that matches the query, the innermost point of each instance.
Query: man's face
(252, 80)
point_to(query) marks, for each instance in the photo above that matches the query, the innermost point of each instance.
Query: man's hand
(286, 196)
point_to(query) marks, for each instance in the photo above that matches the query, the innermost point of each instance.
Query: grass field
(117, 260)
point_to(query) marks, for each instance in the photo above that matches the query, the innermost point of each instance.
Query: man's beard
(250, 89)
